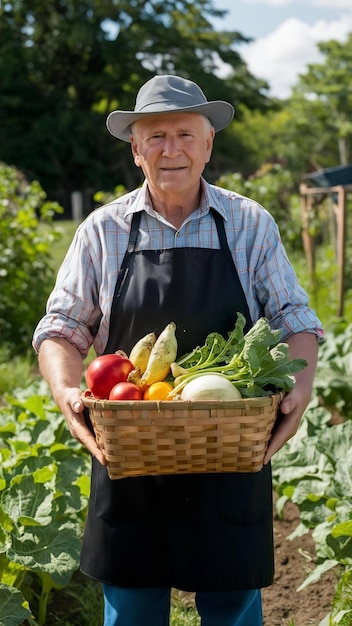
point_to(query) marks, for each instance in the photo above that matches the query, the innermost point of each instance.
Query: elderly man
(176, 249)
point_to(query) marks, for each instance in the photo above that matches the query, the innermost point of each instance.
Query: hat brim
(220, 114)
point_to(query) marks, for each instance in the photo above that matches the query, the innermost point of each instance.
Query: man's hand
(293, 405)
(61, 365)
(72, 407)
(290, 412)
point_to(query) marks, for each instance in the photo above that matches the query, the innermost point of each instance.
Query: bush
(26, 274)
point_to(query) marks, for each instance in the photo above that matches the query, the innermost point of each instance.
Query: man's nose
(170, 147)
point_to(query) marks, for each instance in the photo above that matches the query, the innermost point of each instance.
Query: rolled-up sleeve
(73, 311)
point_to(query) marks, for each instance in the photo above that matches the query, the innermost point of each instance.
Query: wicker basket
(142, 437)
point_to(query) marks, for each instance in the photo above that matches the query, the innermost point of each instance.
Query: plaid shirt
(80, 304)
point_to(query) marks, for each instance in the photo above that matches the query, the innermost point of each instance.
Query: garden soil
(294, 559)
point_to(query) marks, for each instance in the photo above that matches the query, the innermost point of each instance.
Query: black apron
(204, 532)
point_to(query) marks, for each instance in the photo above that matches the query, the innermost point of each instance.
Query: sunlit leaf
(51, 549)
(13, 607)
(28, 499)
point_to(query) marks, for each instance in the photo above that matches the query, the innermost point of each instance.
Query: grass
(59, 247)
(15, 371)
(81, 604)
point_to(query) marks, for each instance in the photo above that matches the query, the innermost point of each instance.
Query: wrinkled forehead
(168, 120)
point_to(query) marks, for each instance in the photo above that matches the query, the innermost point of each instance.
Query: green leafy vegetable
(256, 362)
(44, 488)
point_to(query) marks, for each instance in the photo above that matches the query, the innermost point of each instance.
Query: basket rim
(93, 403)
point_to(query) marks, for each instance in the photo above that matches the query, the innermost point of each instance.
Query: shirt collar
(211, 198)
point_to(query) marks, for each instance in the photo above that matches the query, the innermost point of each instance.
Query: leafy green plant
(14, 608)
(314, 470)
(255, 362)
(44, 488)
(25, 271)
(341, 613)
(333, 380)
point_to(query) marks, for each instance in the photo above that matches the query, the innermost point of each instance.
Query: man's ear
(135, 152)
(210, 143)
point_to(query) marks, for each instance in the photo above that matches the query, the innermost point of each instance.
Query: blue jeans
(151, 607)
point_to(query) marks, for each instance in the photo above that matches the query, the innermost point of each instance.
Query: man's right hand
(72, 407)
(61, 366)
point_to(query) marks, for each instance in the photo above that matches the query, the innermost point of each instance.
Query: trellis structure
(338, 195)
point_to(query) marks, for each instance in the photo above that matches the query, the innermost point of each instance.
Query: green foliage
(64, 66)
(302, 133)
(330, 82)
(14, 370)
(103, 197)
(80, 603)
(14, 609)
(341, 615)
(333, 380)
(255, 362)
(314, 469)
(272, 186)
(181, 616)
(262, 137)
(44, 488)
(25, 272)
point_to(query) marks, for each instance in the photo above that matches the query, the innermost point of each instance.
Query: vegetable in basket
(256, 363)
(210, 387)
(162, 354)
(105, 371)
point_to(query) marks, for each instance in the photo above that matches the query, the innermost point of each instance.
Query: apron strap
(136, 220)
(219, 222)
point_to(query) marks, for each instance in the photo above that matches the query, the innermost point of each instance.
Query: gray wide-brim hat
(169, 94)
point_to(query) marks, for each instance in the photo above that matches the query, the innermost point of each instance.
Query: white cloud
(286, 52)
(330, 4)
(322, 4)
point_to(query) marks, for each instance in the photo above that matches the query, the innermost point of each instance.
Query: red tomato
(125, 391)
(106, 371)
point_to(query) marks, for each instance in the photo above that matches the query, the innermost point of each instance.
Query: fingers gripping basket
(141, 438)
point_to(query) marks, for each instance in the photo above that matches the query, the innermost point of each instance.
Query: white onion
(210, 387)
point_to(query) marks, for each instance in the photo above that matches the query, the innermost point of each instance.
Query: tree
(65, 65)
(319, 132)
(310, 130)
(330, 85)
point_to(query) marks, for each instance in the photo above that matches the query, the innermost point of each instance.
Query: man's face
(172, 149)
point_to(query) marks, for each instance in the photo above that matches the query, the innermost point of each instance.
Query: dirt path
(282, 604)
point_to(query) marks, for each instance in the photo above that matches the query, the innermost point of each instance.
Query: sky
(284, 35)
